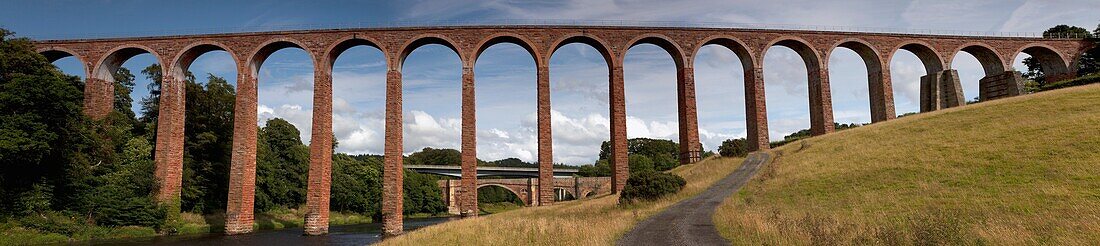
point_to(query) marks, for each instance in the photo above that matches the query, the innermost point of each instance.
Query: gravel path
(690, 222)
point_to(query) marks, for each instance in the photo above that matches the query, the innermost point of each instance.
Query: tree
(1088, 63)
(208, 143)
(640, 163)
(734, 148)
(430, 156)
(282, 166)
(663, 153)
(47, 145)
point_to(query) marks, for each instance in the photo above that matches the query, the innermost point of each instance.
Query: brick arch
(113, 59)
(499, 38)
(54, 53)
(747, 57)
(809, 55)
(260, 54)
(991, 62)
(1050, 60)
(871, 56)
(423, 40)
(879, 89)
(187, 56)
(514, 192)
(583, 38)
(929, 57)
(659, 40)
(333, 52)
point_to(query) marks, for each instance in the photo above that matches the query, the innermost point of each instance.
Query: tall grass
(1023, 170)
(597, 221)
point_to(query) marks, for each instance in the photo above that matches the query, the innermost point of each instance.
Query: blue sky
(505, 74)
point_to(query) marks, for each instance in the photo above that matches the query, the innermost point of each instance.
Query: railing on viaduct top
(548, 22)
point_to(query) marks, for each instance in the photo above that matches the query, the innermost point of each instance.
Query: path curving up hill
(690, 222)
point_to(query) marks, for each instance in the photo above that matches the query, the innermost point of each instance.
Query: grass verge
(1023, 170)
(596, 221)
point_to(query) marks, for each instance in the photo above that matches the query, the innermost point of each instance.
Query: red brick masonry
(175, 53)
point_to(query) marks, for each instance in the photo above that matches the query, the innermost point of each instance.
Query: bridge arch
(929, 57)
(819, 98)
(661, 41)
(710, 91)
(338, 48)
(583, 38)
(991, 62)
(500, 38)
(1050, 61)
(184, 59)
(880, 92)
(427, 39)
(112, 61)
(259, 56)
(748, 59)
(514, 192)
(55, 53)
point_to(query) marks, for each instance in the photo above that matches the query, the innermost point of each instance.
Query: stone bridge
(940, 89)
(527, 189)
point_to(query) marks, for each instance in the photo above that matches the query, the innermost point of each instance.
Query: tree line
(59, 166)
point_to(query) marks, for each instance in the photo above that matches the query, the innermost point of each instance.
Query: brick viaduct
(527, 189)
(940, 89)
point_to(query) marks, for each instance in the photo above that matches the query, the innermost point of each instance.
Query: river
(361, 234)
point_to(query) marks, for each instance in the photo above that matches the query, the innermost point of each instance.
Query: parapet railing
(551, 22)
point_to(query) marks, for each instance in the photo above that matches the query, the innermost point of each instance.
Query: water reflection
(361, 234)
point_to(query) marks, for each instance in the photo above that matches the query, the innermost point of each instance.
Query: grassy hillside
(1023, 170)
(598, 221)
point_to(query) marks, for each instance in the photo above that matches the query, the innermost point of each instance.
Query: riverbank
(59, 228)
(598, 220)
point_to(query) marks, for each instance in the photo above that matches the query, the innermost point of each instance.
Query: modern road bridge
(511, 172)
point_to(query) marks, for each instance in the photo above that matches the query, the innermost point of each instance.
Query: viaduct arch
(939, 89)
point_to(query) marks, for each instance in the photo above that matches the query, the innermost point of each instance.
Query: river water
(361, 234)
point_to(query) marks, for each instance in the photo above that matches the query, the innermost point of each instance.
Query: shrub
(650, 186)
(734, 148)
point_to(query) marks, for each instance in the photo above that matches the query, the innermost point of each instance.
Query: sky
(505, 74)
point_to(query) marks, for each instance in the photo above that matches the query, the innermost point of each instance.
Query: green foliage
(430, 156)
(663, 153)
(805, 133)
(208, 143)
(600, 169)
(640, 164)
(496, 194)
(648, 186)
(1091, 79)
(734, 148)
(122, 197)
(282, 166)
(47, 145)
(422, 194)
(1089, 62)
(356, 184)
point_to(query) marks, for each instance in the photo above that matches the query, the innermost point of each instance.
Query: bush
(650, 186)
(1090, 79)
(734, 148)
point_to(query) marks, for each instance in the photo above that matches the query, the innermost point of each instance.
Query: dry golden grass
(1023, 170)
(597, 221)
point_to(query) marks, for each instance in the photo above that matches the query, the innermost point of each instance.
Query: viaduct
(939, 89)
(527, 189)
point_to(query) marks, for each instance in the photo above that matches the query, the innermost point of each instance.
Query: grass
(1023, 170)
(595, 221)
(496, 208)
